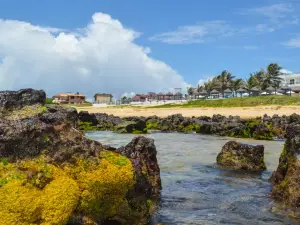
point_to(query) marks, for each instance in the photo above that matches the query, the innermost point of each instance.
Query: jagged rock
(17, 99)
(239, 156)
(286, 179)
(85, 116)
(218, 118)
(266, 128)
(125, 127)
(142, 153)
(294, 118)
(63, 177)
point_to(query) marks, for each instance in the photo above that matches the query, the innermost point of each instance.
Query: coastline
(243, 112)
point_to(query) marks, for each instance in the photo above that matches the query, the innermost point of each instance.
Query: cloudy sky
(139, 46)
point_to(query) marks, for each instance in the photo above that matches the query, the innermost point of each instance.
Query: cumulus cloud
(101, 57)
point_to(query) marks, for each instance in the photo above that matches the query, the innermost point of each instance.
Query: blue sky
(196, 39)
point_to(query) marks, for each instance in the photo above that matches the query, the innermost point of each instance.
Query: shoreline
(243, 112)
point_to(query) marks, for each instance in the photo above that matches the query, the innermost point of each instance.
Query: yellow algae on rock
(33, 192)
(19, 204)
(103, 189)
(60, 199)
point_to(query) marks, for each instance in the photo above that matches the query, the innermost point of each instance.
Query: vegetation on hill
(239, 102)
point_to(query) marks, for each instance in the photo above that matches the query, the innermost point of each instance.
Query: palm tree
(250, 83)
(272, 78)
(237, 84)
(209, 85)
(259, 78)
(190, 91)
(224, 81)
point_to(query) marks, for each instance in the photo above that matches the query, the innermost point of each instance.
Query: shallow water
(195, 191)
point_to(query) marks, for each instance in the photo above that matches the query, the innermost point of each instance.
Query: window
(292, 81)
(72, 97)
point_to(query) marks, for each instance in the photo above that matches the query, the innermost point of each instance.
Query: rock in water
(237, 156)
(142, 153)
(286, 179)
(17, 99)
(62, 177)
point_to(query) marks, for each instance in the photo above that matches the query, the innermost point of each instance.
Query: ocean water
(195, 191)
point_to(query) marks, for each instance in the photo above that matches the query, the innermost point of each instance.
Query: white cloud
(285, 71)
(204, 80)
(275, 11)
(294, 42)
(101, 57)
(199, 33)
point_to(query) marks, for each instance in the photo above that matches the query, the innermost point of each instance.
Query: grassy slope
(239, 102)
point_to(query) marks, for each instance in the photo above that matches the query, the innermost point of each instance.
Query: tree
(190, 91)
(272, 77)
(250, 83)
(259, 78)
(237, 84)
(209, 85)
(224, 81)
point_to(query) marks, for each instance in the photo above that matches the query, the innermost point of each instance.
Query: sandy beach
(243, 112)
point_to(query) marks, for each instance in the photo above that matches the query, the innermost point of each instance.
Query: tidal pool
(195, 191)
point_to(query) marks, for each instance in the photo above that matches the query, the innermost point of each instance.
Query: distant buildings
(69, 98)
(103, 98)
(151, 96)
(292, 80)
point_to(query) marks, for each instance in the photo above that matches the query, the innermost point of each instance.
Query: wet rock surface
(286, 179)
(65, 178)
(17, 99)
(238, 156)
(265, 128)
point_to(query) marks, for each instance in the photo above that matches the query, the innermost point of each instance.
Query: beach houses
(69, 98)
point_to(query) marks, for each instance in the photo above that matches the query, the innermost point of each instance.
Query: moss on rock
(239, 156)
(53, 194)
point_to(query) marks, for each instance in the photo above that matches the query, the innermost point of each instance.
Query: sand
(243, 112)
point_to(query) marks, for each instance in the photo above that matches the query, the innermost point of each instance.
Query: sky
(139, 46)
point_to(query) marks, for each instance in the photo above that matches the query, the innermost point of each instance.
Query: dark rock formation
(239, 156)
(130, 127)
(17, 99)
(142, 153)
(63, 177)
(286, 179)
(265, 128)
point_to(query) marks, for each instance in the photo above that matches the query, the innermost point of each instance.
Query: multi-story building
(69, 98)
(292, 80)
(103, 98)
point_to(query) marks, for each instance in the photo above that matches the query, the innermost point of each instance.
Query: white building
(292, 80)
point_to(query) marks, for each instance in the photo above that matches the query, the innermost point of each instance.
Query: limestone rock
(239, 156)
(286, 179)
(17, 99)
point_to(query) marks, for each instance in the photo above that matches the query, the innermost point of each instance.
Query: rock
(18, 99)
(294, 118)
(142, 153)
(263, 132)
(239, 156)
(85, 116)
(130, 127)
(218, 118)
(63, 177)
(286, 179)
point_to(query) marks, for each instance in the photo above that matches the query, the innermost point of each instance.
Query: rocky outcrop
(237, 156)
(62, 177)
(17, 99)
(286, 179)
(265, 128)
